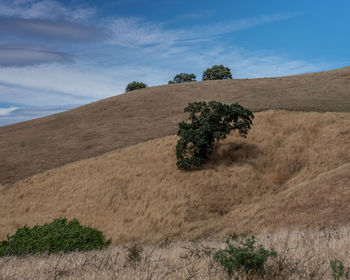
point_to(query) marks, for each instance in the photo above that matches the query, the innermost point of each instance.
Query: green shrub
(134, 86)
(217, 72)
(339, 271)
(242, 255)
(208, 122)
(182, 78)
(58, 236)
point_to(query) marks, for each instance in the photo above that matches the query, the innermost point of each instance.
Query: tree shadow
(233, 152)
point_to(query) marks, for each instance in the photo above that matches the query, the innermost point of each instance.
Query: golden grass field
(34, 146)
(292, 171)
(112, 165)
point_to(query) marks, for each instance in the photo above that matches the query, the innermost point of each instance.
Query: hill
(32, 147)
(292, 171)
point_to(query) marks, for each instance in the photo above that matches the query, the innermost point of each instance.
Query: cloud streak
(49, 30)
(7, 111)
(14, 115)
(17, 56)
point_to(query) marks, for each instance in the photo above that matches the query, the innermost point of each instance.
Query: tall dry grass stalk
(292, 171)
(300, 255)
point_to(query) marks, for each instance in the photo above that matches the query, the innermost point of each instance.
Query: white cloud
(133, 32)
(6, 111)
(67, 79)
(28, 113)
(71, 84)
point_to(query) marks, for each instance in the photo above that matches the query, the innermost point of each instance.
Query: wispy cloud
(44, 9)
(15, 55)
(135, 32)
(49, 30)
(224, 27)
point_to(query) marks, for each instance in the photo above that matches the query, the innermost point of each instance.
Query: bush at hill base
(58, 236)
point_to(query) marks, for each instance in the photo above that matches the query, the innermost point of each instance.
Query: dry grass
(35, 146)
(300, 255)
(292, 171)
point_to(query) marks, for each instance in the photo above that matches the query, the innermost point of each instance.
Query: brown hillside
(38, 145)
(293, 170)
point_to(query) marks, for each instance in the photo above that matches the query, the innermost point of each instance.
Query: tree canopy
(217, 72)
(207, 123)
(134, 86)
(182, 78)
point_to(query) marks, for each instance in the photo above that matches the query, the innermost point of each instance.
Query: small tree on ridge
(134, 86)
(182, 78)
(217, 72)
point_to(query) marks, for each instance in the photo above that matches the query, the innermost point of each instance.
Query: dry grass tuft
(300, 255)
(292, 171)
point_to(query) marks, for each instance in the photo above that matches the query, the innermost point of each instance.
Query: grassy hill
(35, 146)
(293, 171)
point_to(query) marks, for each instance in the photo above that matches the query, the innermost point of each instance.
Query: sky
(56, 55)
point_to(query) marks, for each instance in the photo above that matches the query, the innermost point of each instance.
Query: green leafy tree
(217, 72)
(134, 86)
(207, 123)
(182, 78)
(58, 236)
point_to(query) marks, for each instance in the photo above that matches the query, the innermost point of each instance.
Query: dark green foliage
(339, 271)
(182, 78)
(242, 255)
(217, 72)
(134, 86)
(208, 122)
(58, 236)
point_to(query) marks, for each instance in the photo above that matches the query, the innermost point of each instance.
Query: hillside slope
(35, 146)
(293, 170)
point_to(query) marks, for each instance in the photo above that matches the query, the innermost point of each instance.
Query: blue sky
(55, 55)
